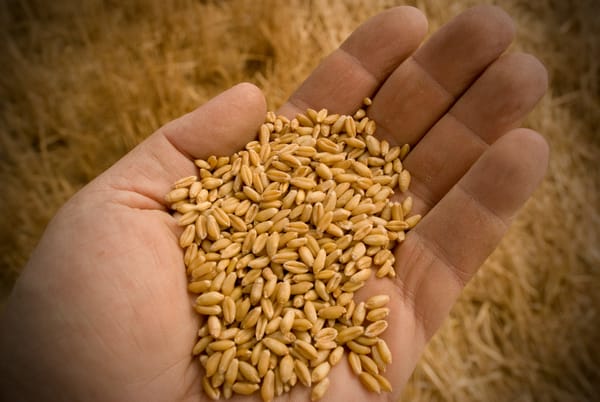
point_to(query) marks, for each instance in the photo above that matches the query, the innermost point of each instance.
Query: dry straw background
(82, 82)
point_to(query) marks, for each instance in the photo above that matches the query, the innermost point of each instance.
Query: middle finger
(426, 85)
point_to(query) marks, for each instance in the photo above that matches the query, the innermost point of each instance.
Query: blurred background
(82, 82)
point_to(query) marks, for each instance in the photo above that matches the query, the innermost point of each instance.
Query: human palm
(101, 311)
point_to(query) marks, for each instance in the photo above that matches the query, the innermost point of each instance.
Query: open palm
(101, 311)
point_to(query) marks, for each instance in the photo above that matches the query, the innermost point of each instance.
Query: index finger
(360, 65)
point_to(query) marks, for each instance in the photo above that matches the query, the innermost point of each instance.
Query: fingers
(424, 86)
(446, 248)
(361, 64)
(496, 103)
(221, 126)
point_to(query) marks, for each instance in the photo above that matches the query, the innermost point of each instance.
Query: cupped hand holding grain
(101, 311)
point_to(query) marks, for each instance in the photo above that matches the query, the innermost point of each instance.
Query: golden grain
(286, 368)
(177, 194)
(302, 372)
(211, 392)
(336, 355)
(232, 372)
(376, 328)
(275, 346)
(376, 356)
(251, 318)
(245, 388)
(348, 334)
(320, 372)
(369, 382)
(187, 237)
(331, 312)
(210, 298)
(267, 391)
(306, 349)
(229, 333)
(277, 239)
(318, 390)
(358, 348)
(248, 372)
(368, 364)
(208, 310)
(264, 362)
(212, 363)
(355, 364)
(201, 345)
(378, 314)
(226, 359)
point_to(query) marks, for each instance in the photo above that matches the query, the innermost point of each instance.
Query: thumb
(221, 126)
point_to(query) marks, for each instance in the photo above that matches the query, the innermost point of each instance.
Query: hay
(83, 83)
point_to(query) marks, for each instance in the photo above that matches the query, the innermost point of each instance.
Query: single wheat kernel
(275, 346)
(367, 341)
(303, 372)
(376, 356)
(350, 333)
(286, 368)
(232, 372)
(201, 345)
(229, 333)
(332, 312)
(358, 348)
(267, 391)
(376, 328)
(404, 180)
(413, 220)
(320, 372)
(226, 359)
(248, 372)
(187, 237)
(214, 325)
(306, 349)
(245, 388)
(377, 301)
(369, 382)
(384, 351)
(212, 363)
(318, 390)
(210, 298)
(355, 364)
(368, 364)
(212, 393)
(336, 355)
(378, 314)
(177, 194)
(384, 384)
(222, 345)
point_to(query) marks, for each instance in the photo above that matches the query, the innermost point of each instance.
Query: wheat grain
(368, 364)
(245, 388)
(320, 372)
(376, 328)
(358, 348)
(355, 364)
(318, 390)
(278, 237)
(369, 382)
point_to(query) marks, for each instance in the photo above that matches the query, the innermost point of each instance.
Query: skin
(101, 311)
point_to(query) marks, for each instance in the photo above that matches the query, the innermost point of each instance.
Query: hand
(101, 310)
